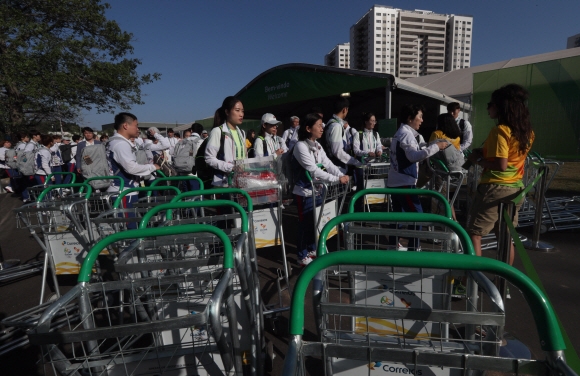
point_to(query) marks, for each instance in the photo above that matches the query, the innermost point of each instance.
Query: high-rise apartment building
(573, 41)
(410, 43)
(339, 56)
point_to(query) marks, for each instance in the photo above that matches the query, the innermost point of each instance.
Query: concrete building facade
(573, 41)
(339, 57)
(410, 43)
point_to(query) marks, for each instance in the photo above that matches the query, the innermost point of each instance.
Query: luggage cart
(161, 325)
(55, 226)
(444, 181)
(120, 218)
(265, 186)
(332, 196)
(35, 191)
(345, 349)
(375, 174)
(190, 249)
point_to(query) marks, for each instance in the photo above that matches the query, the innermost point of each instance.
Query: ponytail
(220, 115)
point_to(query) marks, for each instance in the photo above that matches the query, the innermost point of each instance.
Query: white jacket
(336, 143)
(272, 143)
(309, 154)
(225, 164)
(405, 157)
(290, 136)
(370, 143)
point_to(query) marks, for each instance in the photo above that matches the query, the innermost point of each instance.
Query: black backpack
(204, 171)
(66, 153)
(462, 129)
(324, 143)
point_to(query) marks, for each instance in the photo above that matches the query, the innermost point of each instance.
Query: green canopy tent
(293, 89)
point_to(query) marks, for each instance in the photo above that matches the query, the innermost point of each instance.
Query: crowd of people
(331, 152)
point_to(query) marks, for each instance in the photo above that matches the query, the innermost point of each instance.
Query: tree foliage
(59, 57)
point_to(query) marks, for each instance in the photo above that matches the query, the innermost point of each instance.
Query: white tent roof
(459, 82)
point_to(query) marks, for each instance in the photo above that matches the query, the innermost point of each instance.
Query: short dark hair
(76, 137)
(197, 128)
(410, 111)
(340, 103)
(170, 130)
(309, 121)
(87, 129)
(33, 132)
(122, 118)
(46, 139)
(453, 106)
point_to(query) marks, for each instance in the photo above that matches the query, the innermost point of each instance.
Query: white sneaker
(311, 254)
(401, 248)
(9, 189)
(305, 261)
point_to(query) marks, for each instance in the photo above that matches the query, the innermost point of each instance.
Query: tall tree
(58, 57)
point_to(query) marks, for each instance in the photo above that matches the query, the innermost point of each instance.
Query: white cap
(204, 132)
(153, 129)
(270, 119)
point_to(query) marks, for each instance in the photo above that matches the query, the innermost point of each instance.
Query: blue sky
(207, 50)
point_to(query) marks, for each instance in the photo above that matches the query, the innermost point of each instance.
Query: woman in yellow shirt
(502, 157)
(447, 129)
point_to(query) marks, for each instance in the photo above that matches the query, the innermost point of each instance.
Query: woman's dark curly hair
(512, 110)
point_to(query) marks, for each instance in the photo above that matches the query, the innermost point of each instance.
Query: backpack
(287, 162)
(164, 165)
(184, 156)
(141, 155)
(204, 171)
(26, 161)
(94, 163)
(360, 138)
(11, 160)
(451, 157)
(325, 146)
(252, 151)
(66, 153)
(462, 129)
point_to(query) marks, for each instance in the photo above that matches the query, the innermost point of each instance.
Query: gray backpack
(451, 157)
(26, 161)
(94, 163)
(184, 156)
(11, 159)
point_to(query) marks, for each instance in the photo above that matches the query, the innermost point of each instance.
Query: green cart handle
(159, 172)
(176, 178)
(439, 163)
(142, 189)
(120, 179)
(402, 191)
(218, 191)
(59, 186)
(395, 217)
(319, 165)
(195, 204)
(73, 180)
(537, 155)
(88, 263)
(546, 322)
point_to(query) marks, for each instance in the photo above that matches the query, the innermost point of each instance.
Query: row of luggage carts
(171, 287)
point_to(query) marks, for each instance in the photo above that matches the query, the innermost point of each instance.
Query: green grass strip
(571, 356)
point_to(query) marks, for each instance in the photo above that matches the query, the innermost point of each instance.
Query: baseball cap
(204, 132)
(66, 138)
(270, 119)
